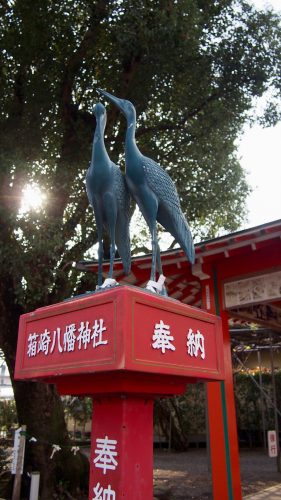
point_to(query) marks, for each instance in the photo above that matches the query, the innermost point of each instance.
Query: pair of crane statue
(109, 193)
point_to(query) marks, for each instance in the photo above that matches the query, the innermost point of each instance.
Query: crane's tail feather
(124, 249)
(180, 230)
(188, 247)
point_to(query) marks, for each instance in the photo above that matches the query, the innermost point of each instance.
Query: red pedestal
(123, 347)
(122, 448)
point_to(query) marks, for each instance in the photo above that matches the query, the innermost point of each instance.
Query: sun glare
(32, 198)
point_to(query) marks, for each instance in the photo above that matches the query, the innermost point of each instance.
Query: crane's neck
(131, 149)
(99, 152)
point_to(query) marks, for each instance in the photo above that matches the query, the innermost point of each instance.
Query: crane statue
(109, 197)
(155, 193)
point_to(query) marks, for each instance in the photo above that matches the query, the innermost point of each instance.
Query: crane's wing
(122, 234)
(169, 214)
(88, 187)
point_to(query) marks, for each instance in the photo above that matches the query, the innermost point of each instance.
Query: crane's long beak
(118, 102)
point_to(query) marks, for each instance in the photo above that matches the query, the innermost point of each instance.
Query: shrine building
(238, 277)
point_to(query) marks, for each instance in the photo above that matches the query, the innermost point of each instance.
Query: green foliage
(4, 460)
(5, 487)
(191, 68)
(8, 414)
(181, 417)
(80, 409)
(8, 421)
(249, 400)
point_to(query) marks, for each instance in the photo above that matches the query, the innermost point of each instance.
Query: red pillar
(121, 462)
(224, 449)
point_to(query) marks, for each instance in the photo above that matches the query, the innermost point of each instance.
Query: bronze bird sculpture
(153, 190)
(109, 196)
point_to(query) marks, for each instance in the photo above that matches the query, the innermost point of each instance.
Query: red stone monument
(123, 346)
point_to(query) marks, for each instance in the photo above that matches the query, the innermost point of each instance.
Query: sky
(260, 153)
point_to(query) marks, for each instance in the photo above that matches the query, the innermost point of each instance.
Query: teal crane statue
(153, 190)
(110, 199)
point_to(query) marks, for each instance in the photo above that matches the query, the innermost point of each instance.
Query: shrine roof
(206, 251)
(249, 252)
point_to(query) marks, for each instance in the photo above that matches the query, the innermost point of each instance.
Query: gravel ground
(184, 476)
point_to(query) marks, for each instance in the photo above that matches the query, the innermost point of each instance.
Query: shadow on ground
(185, 476)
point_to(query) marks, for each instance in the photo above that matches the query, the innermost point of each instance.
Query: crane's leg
(111, 217)
(112, 254)
(148, 204)
(100, 257)
(99, 224)
(153, 285)
(154, 244)
(159, 263)
(160, 271)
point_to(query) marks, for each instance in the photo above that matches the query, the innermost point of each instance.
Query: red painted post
(215, 414)
(221, 406)
(121, 461)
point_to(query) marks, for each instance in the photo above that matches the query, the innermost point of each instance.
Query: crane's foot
(108, 283)
(157, 286)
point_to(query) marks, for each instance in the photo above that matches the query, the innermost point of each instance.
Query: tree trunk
(39, 407)
(179, 440)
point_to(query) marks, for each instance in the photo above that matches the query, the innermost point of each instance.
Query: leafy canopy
(192, 68)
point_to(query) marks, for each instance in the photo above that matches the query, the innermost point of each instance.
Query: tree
(182, 418)
(8, 415)
(79, 410)
(192, 68)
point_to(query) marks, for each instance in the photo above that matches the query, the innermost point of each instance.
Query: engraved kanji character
(32, 344)
(98, 330)
(69, 338)
(56, 339)
(84, 336)
(106, 451)
(195, 343)
(44, 341)
(162, 338)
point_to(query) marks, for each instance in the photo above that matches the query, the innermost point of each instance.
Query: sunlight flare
(32, 198)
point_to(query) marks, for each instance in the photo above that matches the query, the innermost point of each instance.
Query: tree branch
(99, 12)
(71, 146)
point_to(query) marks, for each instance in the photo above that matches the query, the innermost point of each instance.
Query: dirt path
(184, 476)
